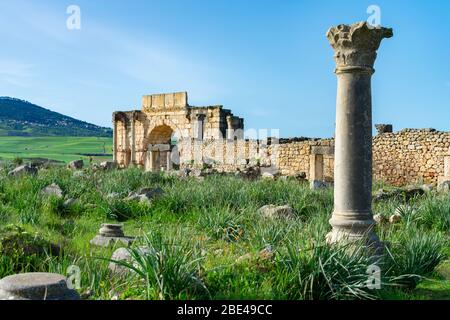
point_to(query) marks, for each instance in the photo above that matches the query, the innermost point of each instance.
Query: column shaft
(355, 49)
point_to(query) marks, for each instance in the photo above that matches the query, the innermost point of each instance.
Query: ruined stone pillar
(447, 167)
(316, 168)
(355, 49)
(114, 137)
(133, 139)
(169, 161)
(199, 126)
(230, 129)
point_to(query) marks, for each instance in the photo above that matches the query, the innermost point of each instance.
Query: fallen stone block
(36, 286)
(76, 165)
(272, 211)
(21, 170)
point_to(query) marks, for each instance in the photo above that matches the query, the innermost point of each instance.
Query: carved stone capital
(356, 45)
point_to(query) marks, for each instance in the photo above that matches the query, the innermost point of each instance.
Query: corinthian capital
(356, 45)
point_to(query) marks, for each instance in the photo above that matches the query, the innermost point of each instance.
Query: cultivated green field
(55, 148)
(205, 238)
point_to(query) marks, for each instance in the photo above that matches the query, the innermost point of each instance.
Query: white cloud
(147, 58)
(15, 72)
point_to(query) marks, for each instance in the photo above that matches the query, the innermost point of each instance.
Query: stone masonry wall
(410, 156)
(228, 156)
(406, 157)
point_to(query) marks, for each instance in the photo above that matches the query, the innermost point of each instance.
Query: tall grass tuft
(169, 269)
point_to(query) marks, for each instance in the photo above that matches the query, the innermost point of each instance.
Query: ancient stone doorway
(159, 150)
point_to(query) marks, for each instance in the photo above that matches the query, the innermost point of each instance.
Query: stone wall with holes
(410, 156)
(288, 157)
(406, 157)
(163, 117)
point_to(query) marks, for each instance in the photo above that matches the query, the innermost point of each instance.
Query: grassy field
(205, 239)
(55, 148)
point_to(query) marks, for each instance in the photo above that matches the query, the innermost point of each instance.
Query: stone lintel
(159, 147)
(324, 150)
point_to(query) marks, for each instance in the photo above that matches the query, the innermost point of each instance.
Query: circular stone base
(101, 241)
(36, 286)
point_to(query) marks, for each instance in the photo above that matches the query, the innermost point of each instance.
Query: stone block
(36, 286)
(384, 128)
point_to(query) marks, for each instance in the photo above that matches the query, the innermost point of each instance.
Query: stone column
(133, 139)
(355, 49)
(114, 122)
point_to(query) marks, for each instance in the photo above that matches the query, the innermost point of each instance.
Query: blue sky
(268, 61)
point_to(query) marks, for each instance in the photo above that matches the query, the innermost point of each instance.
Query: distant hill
(22, 118)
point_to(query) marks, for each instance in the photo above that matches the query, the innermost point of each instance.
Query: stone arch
(162, 126)
(160, 135)
(160, 153)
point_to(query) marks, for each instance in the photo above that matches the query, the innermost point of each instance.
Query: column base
(367, 239)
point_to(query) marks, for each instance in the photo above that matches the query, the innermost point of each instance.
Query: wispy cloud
(156, 62)
(15, 72)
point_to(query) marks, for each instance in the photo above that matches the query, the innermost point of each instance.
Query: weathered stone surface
(24, 169)
(102, 241)
(111, 230)
(36, 286)
(380, 219)
(76, 165)
(317, 185)
(395, 218)
(384, 128)
(53, 190)
(401, 194)
(267, 176)
(110, 235)
(444, 186)
(69, 202)
(124, 255)
(145, 195)
(272, 211)
(323, 150)
(427, 187)
(108, 165)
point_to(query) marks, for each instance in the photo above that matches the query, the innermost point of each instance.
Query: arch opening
(160, 145)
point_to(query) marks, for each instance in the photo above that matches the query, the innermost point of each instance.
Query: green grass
(55, 148)
(198, 232)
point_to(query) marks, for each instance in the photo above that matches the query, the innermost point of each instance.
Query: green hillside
(22, 118)
(56, 148)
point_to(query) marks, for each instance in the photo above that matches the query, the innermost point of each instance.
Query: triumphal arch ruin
(147, 137)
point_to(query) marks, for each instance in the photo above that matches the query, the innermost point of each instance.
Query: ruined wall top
(176, 100)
